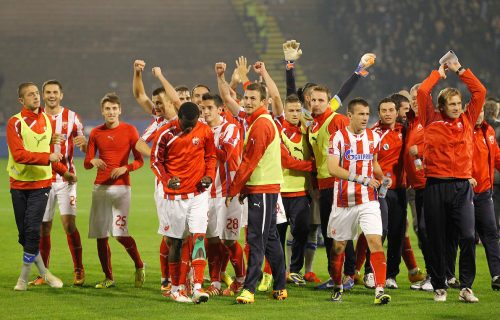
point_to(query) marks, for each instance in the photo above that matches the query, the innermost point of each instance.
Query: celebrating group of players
(224, 161)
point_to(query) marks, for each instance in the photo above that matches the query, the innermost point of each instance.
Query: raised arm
(260, 68)
(426, 110)
(169, 89)
(292, 53)
(366, 61)
(225, 90)
(476, 89)
(138, 88)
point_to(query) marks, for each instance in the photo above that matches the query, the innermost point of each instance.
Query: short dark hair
(215, 97)
(293, 98)
(22, 86)
(386, 100)
(255, 86)
(356, 101)
(398, 99)
(301, 91)
(198, 86)
(182, 88)
(110, 97)
(189, 111)
(52, 81)
(158, 90)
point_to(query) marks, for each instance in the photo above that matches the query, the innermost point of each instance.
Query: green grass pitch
(127, 302)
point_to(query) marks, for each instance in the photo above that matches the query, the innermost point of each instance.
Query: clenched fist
(139, 65)
(157, 72)
(220, 69)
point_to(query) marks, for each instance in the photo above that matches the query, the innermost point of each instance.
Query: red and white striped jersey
(150, 133)
(68, 124)
(226, 138)
(356, 153)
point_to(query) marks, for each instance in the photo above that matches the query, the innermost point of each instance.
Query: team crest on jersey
(385, 146)
(420, 127)
(400, 135)
(349, 156)
(371, 147)
(492, 139)
(196, 141)
(65, 125)
(459, 125)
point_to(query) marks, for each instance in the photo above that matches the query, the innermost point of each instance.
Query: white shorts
(280, 211)
(223, 222)
(64, 194)
(343, 222)
(189, 215)
(244, 216)
(160, 208)
(109, 211)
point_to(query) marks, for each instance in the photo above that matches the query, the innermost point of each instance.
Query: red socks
(379, 266)
(236, 256)
(199, 269)
(44, 248)
(185, 264)
(174, 270)
(408, 255)
(75, 247)
(131, 247)
(361, 247)
(267, 267)
(224, 257)
(105, 257)
(164, 259)
(336, 263)
(214, 261)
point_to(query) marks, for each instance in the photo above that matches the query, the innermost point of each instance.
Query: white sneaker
(21, 285)
(200, 296)
(440, 295)
(52, 280)
(369, 281)
(390, 283)
(180, 296)
(424, 285)
(416, 286)
(453, 283)
(427, 285)
(466, 295)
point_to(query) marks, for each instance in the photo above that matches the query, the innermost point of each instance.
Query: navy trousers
(263, 240)
(29, 207)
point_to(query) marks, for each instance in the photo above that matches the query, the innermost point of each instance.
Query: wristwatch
(460, 69)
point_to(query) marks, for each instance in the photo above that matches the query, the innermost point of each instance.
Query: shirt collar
(257, 113)
(322, 117)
